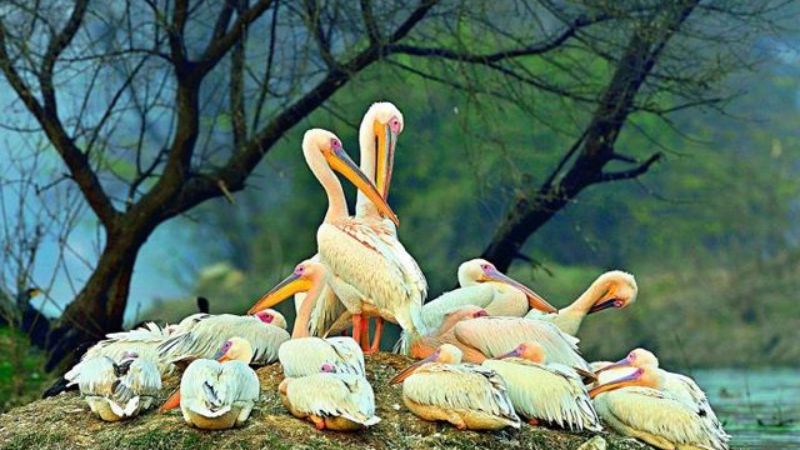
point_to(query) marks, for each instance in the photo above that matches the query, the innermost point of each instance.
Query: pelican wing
(433, 312)
(656, 414)
(334, 395)
(206, 336)
(685, 389)
(495, 336)
(465, 386)
(96, 377)
(551, 392)
(305, 356)
(143, 378)
(364, 256)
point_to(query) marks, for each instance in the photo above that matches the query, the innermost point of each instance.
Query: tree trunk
(100, 307)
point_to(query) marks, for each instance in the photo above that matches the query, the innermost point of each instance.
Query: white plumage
(218, 395)
(304, 356)
(495, 336)
(118, 391)
(547, 392)
(331, 400)
(200, 336)
(657, 418)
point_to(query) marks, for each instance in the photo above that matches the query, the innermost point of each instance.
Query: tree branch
(217, 48)
(632, 173)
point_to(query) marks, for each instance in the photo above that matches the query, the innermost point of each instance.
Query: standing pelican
(330, 400)
(200, 335)
(378, 133)
(304, 355)
(614, 289)
(116, 391)
(541, 391)
(636, 405)
(363, 274)
(484, 286)
(217, 395)
(680, 387)
(468, 396)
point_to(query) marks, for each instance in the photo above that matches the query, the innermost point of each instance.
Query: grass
(21, 375)
(64, 422)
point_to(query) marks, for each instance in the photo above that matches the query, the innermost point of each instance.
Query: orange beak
(534, 300)
(339, 161)
(283, 290)
(172, 402)
(385, 143)
(619, 383)
(408, 371)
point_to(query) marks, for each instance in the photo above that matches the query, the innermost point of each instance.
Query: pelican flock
(489, 353)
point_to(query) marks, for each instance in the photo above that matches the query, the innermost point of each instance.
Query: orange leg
(533, 422)
(364, 337)
(376, 339)
(358, 323)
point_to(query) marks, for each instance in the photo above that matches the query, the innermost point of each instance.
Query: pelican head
(445, 354)
(271, 317)
(481, 271)
(457, 315)
(530, 351)
(322, 142)
(639, 358)
(235, 349)
(642, 377)
(380, 127)
(305, 276)
(619, 290)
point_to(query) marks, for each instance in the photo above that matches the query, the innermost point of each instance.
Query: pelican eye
(336, 144)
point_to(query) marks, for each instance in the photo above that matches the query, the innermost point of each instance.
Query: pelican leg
(319, 422)
(376, 339)
(533, 422)
(364, 337)
(358, 324)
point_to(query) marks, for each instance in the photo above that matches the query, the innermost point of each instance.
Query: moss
(64, 422)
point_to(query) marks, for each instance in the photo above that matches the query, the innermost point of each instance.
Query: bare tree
(157, 106)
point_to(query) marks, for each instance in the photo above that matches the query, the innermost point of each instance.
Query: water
(760, 408)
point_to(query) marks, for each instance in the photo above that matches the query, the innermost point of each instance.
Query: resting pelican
(541, 391)
(200, 335)
(304, 355)
(217, 395)
(485, 286)
(421, 347)
(614, 289)
(636, 405)
(468, 396)
(330, 400)
(680, 387)
(117, 391)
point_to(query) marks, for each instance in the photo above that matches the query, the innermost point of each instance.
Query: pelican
(422, 347)
(542, 391)
(465, 395)
(680, 387)
(217, 395)
(200, 335)
(330, 400)
(117, 391)
(378, 133)
(484, 286)
(304, 355)
(142, 341)
(637, 405)
(614, 289)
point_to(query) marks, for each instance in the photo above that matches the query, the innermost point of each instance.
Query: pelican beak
(172, 402)
(222, 356)
(627, 380)
(385, 143)
(408, 371)
(512, 354)
(534, 300)
(617, 365)
(291, 285)
(339, 161)
(610, 303)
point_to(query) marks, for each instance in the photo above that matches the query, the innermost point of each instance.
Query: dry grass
(65, 423)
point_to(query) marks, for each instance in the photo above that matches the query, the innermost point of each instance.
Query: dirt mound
(64, 422)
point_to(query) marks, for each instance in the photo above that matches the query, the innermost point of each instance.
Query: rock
(64, 422)
(595, 443)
